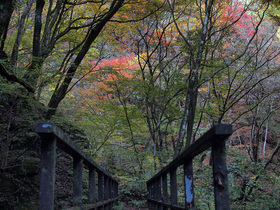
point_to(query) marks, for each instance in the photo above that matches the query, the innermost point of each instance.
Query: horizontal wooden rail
(157, 187)
(53, 137)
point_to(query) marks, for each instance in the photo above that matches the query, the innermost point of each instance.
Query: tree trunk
(61, 92)
(189, 114)
(20, 32)
(37, 60)
(195, 63)
(6, 11)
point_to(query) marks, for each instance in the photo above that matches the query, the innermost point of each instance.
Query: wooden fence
(106, 188)
(158, 187)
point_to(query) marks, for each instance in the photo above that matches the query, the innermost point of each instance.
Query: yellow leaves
(89, 9)
(253, 177)
(204, 89)
(92, 53)
(226, 45)
(95, 8)
(278, 33)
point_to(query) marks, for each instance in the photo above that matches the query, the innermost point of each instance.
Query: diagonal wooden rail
(106, 188)
(157, 186)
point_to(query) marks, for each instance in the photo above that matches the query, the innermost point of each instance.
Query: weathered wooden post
(48, 160)
(92, 187)
(47, 179)
(189, 186)
(173, 186)
(106, 191)
(164, 190)
(158, 191)
(220, 175)
(100, 187)
(106, 187)
(77, 180)
(110, 191)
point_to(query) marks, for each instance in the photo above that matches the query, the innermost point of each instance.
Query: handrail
(157, 187)
(53, 137)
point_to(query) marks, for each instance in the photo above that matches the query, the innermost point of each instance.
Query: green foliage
(72, 129)
(250, 184)
(133, 190)
(19, 158)
(246, 190)
(203, 182)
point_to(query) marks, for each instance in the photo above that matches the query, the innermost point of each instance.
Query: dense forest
(134, 83)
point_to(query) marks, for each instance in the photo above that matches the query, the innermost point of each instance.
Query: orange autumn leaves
(115, 72)
(107, 76)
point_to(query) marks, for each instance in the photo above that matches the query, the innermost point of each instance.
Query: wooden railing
(106, 188)
(158, 187)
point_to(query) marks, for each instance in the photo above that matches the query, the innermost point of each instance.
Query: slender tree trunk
(195, 63)
(255, 138)
(191, 119)
(6, 11)
(182, 131)
(61, 92)
(265, 137)
(155, 155)
(20, 32)
(266, 130)
(37, 60)
(188, 117)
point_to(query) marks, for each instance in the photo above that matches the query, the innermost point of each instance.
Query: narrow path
(129, 207)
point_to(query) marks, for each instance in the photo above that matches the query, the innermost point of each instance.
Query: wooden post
(106, 185)
(164, 191)
(189, 186)
(77, 180)
(158, 192)
(47, 178)
(173, 186)
(106, 191)
(100, 187)
(220, 175)
(110, 192)
(92, 185)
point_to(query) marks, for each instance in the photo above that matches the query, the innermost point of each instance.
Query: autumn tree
(63, 33)
(205, 28)
(161, 69)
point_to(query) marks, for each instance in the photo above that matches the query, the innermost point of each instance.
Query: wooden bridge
(103, 194)
(157, 186)
(107, 186)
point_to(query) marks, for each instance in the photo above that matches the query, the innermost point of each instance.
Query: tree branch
(13, 78)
